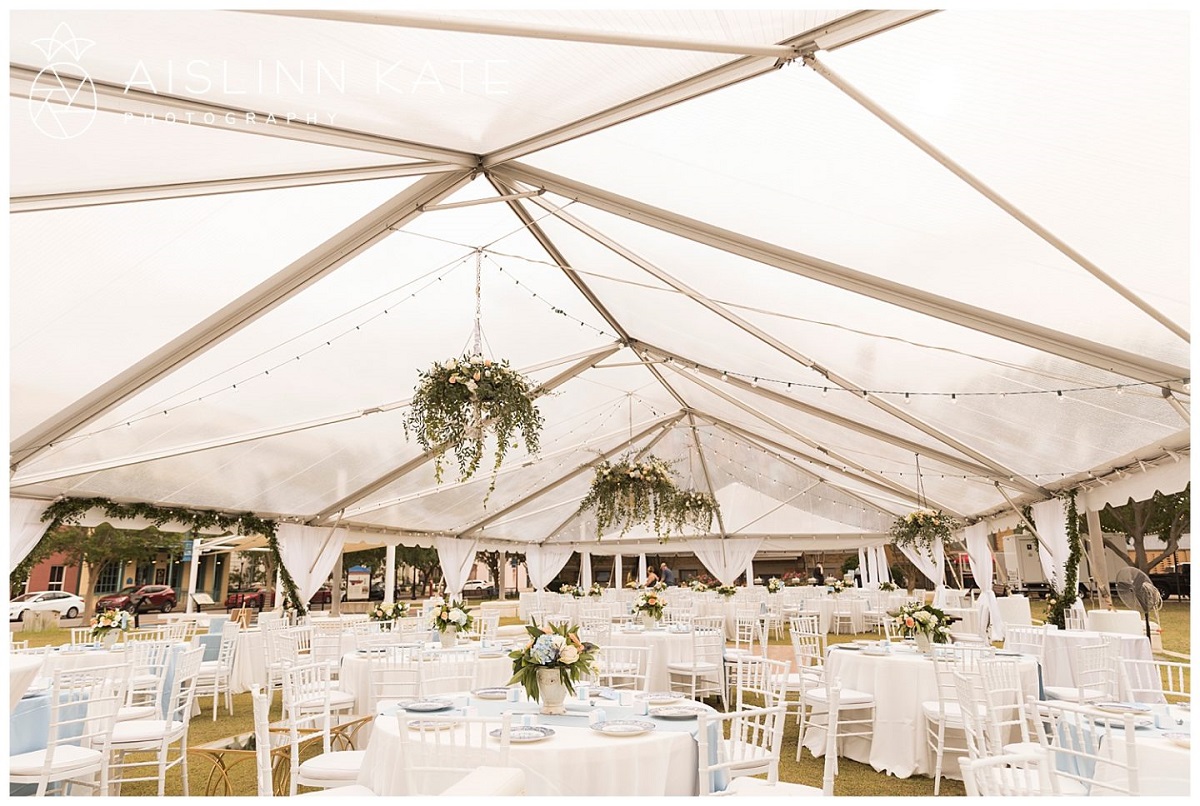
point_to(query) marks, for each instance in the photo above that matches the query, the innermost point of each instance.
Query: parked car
(259, 597)
(479, 587)
(323, 596)
(139, 599)
(68, 605)
(376, 593)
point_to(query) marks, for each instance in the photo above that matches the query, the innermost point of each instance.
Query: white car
(480, 586)
(68, 605)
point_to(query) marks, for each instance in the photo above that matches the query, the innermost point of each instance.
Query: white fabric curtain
(933, 569)
(618, 574)
(25, 527)
(544, 562)
(309, 554)
(585, 569)
(1050, 518)
(641, 569)
(863, 573)
(979, 555)
(725, 559)
(750, 572)
(457, 558)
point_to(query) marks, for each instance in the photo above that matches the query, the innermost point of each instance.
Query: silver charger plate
(623, 727)
(523, 734)
(677, 711)
(658, 697)
(428, 706)
(495, 693)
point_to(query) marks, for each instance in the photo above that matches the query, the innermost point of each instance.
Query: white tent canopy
(788, 251)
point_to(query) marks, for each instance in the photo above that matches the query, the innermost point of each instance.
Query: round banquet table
(665, 647)
(823, 608)
(250, 659)
(355, 676)
(575, 761)
(900, 681)
(1058, 669)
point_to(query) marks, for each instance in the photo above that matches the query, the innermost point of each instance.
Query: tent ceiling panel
(140, 153)
(463, 91)
(858, 194)
(133, 283)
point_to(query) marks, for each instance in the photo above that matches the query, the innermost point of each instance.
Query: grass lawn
(853, 778)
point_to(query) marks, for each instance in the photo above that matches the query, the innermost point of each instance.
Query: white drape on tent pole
(543, 562)
(725, 559)
(25, 527)
(389, 574)
(456, 557)
(618, 574)
(933, 569)
(309, 554)
(750, 571)
(882, 569)
(585, 569)
(1050, 519)
(979, 555)
(641, 569)
(863, 569)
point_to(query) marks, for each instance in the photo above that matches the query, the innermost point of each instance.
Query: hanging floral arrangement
(922, 528)
(628, 492)
(691, 508)
(457, 402)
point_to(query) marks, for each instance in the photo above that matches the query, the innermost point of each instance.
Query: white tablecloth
(1164, 768)
(22, 669)
(1058, 670)
(356, 676)
(575, 761)
(665, 647)
(250, 660)
(900, 683)
(824, 610)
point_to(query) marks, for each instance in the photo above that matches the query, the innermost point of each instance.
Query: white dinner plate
(873, 650)
(495, 693)
(1181, 739)
(852, 647)
(523, 734)
(428, 706)
(658, 697)
(677, 711)
(1123, 707)
(623, 727)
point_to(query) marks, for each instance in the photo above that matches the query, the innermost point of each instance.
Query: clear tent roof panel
(140, 152)
(162, 269)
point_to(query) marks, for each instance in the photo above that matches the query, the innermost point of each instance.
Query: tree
(492, 560)
(1163, 516)
(425, 560)
(95, 548)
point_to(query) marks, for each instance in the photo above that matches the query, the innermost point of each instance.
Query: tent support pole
(991, 195)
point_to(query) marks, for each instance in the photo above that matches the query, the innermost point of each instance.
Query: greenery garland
(72, 510)
(922, 528)
(456, 399)
(1062, 601)
(629, 492)
(691, 508)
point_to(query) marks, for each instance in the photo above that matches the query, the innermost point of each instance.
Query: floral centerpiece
(774, 585)
(887, 587)
(456, 401)
(792, 579)
(836, 586)
(596, 590)
(451, 617)
(572, 590)
(924, 622)
(630, 492)
(388, 612)
(726, 590)
(691, 508)
(922, 528)
(698, 585)
(108, 624)
(650, 606)
(550, 663)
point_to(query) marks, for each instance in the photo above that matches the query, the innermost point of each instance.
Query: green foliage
(553, 646)
(915, 617)
(922, 528)
(630, 492)
(70, 510)
(374, 559)
(691, 508)
(458, 401)
(849, 564)
(1062, 600)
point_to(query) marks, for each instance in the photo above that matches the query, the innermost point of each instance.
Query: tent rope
(477, 334)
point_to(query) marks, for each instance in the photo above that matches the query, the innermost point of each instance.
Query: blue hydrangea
(544, 652)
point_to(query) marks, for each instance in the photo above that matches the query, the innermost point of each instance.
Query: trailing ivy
(1062, 600)
(72, 510)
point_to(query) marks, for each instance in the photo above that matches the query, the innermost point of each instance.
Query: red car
(139, 599)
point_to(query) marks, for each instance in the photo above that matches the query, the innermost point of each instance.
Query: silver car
(68, 605)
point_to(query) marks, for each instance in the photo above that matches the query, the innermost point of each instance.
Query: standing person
(651, 578)
(667, 575)
(819, 575)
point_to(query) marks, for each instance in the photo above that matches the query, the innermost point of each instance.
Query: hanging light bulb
(953, 398)
(907, 397)
(724, 376)
(1060, 395)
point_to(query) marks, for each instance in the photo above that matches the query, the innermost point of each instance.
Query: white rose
(568, 655)
(458, 616)
(558, 641)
